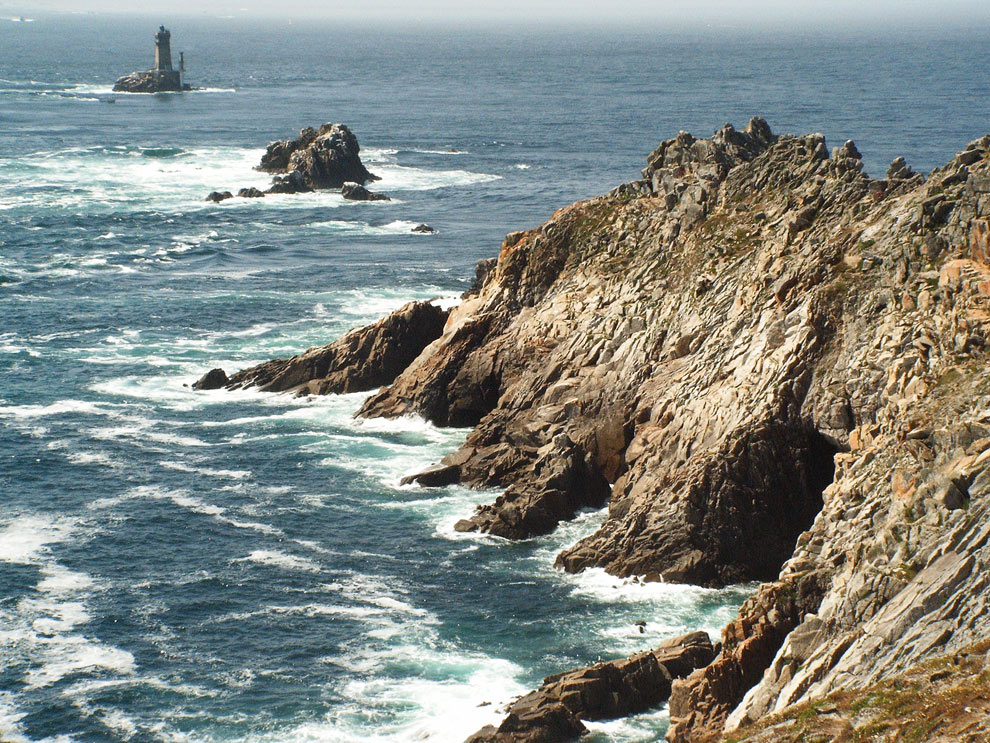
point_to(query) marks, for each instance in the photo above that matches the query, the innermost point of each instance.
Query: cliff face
(754, 342)
(771, 367)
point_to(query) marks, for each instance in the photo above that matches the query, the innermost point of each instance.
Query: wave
(25, 539)
(398, 227)
(281, 560)
(406, 178)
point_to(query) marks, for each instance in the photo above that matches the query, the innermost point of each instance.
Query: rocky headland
(318, 159)
(771, 367)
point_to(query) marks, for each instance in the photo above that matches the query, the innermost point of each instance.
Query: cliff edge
(771, 367)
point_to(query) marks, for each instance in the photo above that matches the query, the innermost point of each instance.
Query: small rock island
(163, 78)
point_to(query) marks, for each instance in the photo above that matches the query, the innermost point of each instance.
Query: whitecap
(24, 539)
(280, 560)
(404, 178)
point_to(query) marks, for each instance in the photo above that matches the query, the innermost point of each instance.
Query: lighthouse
(163, 77)
(163, 50)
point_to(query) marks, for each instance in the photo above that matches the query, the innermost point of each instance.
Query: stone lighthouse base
(153, 81)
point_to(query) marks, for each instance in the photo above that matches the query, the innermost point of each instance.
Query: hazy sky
(874, 14)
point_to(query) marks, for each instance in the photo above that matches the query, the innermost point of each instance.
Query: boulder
(357, 192)
(250, 193)
(424, 229)
(212, 380)
(218, 196)
(293, 182)
(436, 476)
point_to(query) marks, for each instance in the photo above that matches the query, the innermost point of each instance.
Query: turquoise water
(180, 566)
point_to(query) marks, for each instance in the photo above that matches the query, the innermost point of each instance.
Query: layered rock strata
(553, 713)
(758, 356)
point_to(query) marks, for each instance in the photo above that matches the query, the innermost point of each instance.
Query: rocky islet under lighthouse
(163, 78)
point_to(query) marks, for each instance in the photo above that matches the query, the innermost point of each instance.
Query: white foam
(398, 227)
(10, 720)
(24, 539)
(70, 654)
(61, 407)
(207, 471)
(404, 178)
(281, 560)
(522, 166)
(94, 457)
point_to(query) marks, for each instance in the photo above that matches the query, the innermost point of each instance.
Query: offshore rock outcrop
(151, 81)
(324, 158)
(772, 367)
(327, 157)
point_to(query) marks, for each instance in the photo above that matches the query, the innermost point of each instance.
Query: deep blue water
(241, 566)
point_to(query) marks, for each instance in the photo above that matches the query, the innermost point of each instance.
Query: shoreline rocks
(364, 359)
(553, 713)
(772, 367)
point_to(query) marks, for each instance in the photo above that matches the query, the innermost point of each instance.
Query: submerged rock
(357, 192)
(218, 196)
(250, 193)
(424, 229)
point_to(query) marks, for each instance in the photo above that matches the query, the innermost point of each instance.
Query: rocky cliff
(771, 367)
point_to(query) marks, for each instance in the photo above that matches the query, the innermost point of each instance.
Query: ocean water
(181, 566)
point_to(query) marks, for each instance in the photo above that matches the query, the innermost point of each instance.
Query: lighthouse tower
(167, 77)
(163, 50)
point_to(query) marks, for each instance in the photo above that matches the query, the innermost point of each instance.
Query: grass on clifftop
(944, 701)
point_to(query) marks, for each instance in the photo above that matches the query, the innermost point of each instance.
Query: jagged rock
(803, 409)
(899, 170)
(327, 157)
(482, 270)
(212, 380)
(362, 360)
(553, 713)
(250, 193)
(292, 182)
(424, 229)
(357, 192)
(559, 482)
(821, 403)
(151, 81)
(218, 196)
(436, 476)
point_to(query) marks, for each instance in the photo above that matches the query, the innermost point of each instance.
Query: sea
(245, 566)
